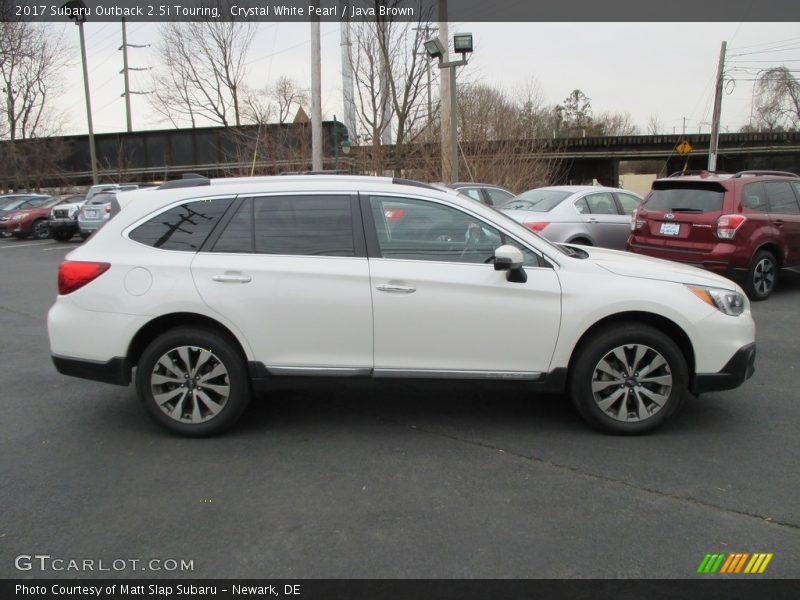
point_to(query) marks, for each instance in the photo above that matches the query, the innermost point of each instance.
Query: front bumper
(735, 372)
(63, 225)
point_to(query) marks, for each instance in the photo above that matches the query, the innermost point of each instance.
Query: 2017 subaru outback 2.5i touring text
(203, 290)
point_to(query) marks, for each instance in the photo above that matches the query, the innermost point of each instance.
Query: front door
(441, 310)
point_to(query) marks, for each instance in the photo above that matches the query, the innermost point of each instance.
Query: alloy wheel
(631, 383)
(190, 384)
(764, 276)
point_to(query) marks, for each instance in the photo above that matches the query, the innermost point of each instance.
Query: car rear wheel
(628, 378)
(761, 276)
(40, 229)
(193, 381)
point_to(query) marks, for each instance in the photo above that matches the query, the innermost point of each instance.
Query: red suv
(745, 226)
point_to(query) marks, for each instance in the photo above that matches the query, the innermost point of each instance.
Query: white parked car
(203, 290)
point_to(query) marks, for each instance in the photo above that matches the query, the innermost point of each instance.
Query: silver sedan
(586, 215)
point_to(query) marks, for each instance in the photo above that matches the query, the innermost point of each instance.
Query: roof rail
(697, 172)
(322, 172)
(413, 182)
(188, 180)
(759, 172)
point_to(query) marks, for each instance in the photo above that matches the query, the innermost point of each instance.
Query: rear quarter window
(184, 227)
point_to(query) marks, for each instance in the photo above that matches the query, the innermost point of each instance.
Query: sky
(664, 69)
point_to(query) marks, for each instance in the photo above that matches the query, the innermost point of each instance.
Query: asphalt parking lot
(394, 480)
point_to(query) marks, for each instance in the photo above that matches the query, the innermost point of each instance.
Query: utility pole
(348, 97)
(92, 151)
(449, 167)
(316, 96)
(714, 142)
(125, 70)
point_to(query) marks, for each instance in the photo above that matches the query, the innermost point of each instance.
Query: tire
(761, 276)
(638, 403)
(62, 235)
(40, 230)
(84, 236)
(197, 410)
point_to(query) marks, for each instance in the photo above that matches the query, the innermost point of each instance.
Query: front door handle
(591, 220)
(232, 278)
(394, 288)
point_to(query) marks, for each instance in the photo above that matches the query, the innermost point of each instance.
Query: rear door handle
(778, 222)
(232, 278)
(591, 220)
(394, 288)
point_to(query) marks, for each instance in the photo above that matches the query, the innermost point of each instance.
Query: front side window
(412, 229)
(184, 227)
(291, 225)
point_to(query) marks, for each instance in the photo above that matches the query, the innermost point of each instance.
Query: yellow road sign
(683, 147)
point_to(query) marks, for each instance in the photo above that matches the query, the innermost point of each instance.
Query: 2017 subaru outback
(202, 291)
(745, 226)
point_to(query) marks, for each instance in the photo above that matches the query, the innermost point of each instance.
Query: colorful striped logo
(734, 563)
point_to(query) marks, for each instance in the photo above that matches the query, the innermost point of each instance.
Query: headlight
(727, 301)
(19, 217)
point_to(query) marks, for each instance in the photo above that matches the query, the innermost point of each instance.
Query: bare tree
(202, 66)
(389, 72)
(654, 125)
(287, 94)
(613, 123)
(776, 100)
(32, 57)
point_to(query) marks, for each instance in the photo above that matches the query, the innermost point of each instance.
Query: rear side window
(685, 197)
(183, 227)
(602, 204)
(781, 198)
(754, 197)
(291, 225)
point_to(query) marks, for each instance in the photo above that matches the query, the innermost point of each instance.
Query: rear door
(290, 271)
(607, 226)
(784, 213)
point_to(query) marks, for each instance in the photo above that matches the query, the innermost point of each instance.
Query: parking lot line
(60, 247)
(4, 247)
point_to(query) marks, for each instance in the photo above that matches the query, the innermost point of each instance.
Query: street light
(462, 44)
(77, 11)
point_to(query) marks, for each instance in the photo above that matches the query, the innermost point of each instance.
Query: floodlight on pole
(434, 48)
(462, 44)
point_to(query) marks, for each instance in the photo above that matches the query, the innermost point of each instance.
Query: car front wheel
(40, 230)
(193, 381)
(628, 378)
(63, 235)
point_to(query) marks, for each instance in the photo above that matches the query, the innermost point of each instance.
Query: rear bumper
(735, 372)
(726, 259)
(116, 371)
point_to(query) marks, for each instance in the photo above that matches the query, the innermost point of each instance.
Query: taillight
(74, 274)
(108, 208)
(536, 225)
(728, 225)
(394, 214)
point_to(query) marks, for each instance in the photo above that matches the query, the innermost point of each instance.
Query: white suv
(212, 289)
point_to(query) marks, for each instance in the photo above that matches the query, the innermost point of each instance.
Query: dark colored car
(485, 193)
(745, 226)
(14, 205)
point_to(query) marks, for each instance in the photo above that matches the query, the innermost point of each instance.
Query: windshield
(522, 231)
(541, 200)
(685, 198)
(35, 202)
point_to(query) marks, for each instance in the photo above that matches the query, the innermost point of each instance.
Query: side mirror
(508, 258)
